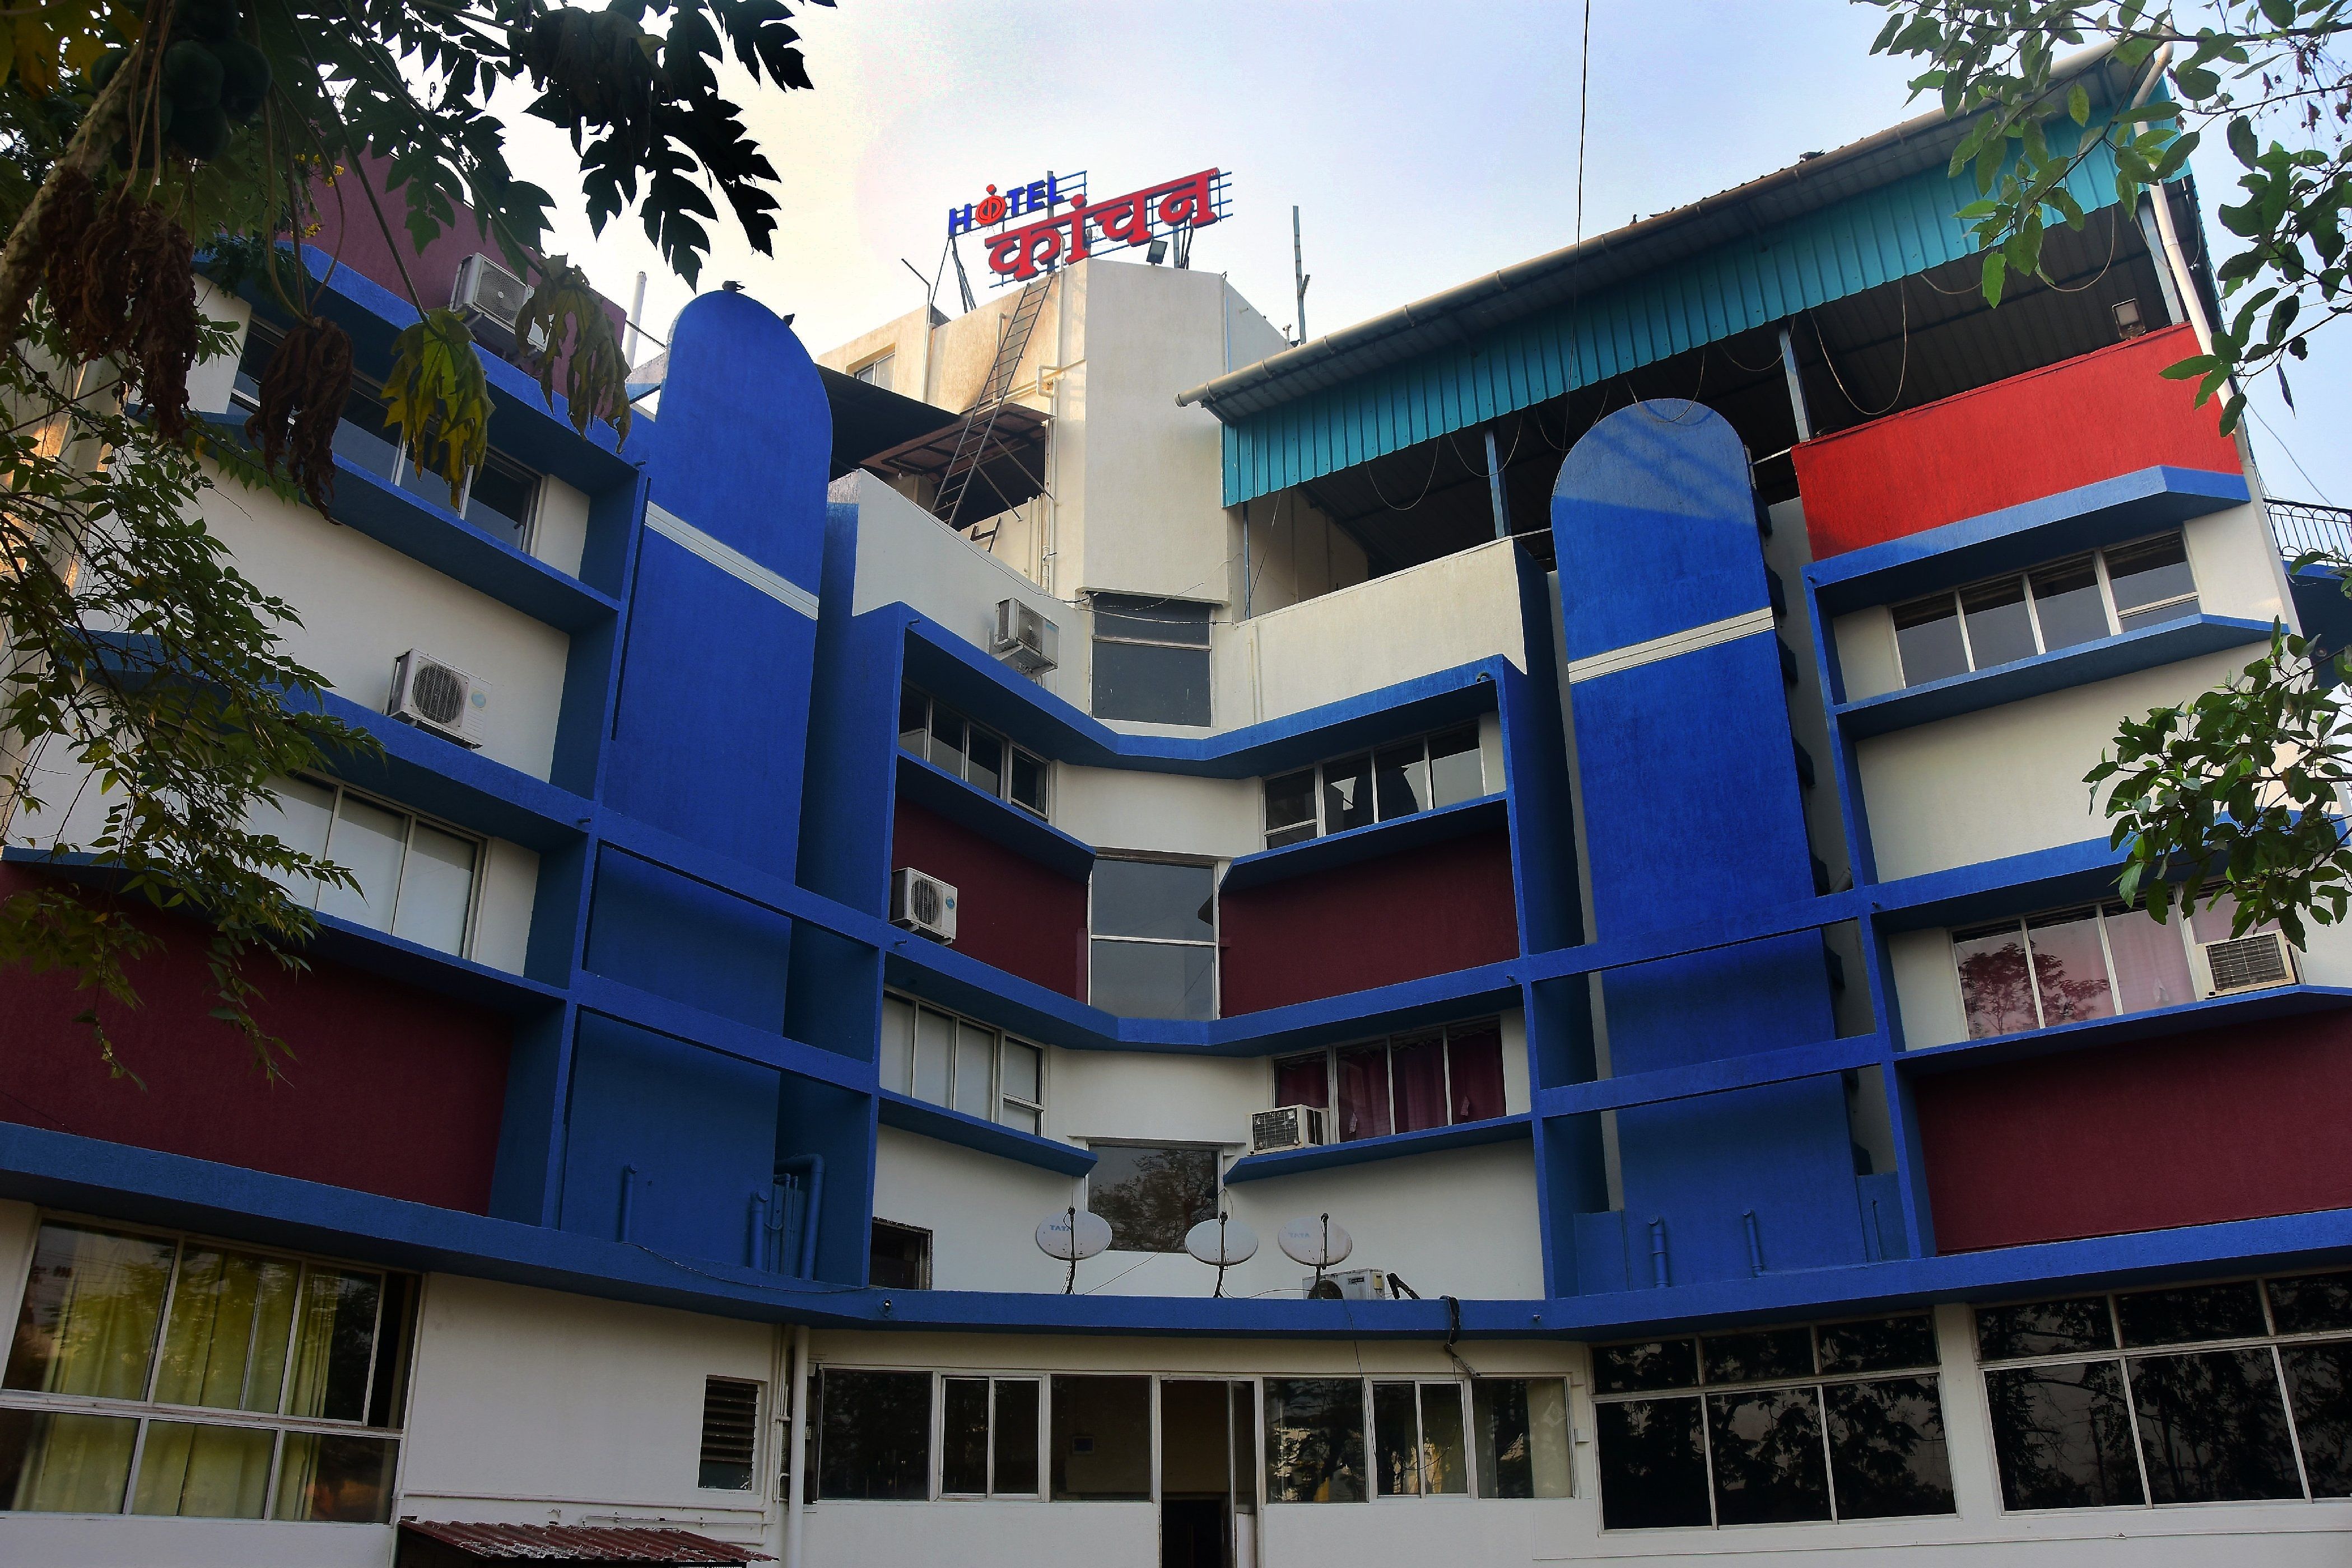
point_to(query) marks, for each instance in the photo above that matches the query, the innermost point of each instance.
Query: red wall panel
(2223, 1125)
(2073, 423)
(392, 1090)
(1428, 911)
(1010, 911)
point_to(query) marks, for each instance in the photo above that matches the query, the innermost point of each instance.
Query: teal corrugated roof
(1861, 241)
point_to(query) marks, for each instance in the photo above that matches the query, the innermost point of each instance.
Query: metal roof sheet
(582, 1544)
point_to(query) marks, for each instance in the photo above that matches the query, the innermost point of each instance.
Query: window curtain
(204, 1472)
(334, 1343)
(90, 1313)
(1418, 1066)
(225, 1346)
(71, 1464)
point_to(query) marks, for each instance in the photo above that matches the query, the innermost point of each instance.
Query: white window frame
(2033, 605)
(147, 1409)
(410, 819)
(1268, 828)
(997, 1039)
(1461, 1386)
(2200, 975)
(1223, 1153)
(1214, 943)
(864, 372)
(1331, 1054)
(760, 1425)
(1042, 811)
(992, 1377)
(1204, 647)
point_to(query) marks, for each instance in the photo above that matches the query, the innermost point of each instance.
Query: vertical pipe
(1246, 562)
(1495, 487)
(756, 1248)
(1755, 1244)
(1796, 387)
(2174, 312)
(628, 1198)
(636, 310)
(2178, 265)
(797, 1485)
(1658, 1251)
(1299, 272)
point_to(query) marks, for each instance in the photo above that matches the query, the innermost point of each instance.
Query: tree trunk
(107, 119)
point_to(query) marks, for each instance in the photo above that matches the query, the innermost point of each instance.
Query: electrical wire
(1902, 374)
(1583, 85)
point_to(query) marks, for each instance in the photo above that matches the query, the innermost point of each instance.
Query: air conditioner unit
(2248, 964)
(923, 904)
(490, 297)
(1024, 639)
(1354, 1285)
(440, 697)
(1286, 1127)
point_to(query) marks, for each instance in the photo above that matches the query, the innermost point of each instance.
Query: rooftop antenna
(1071, 1235)
(1298, 271)
(1316, 1242)
(1221, 1243)
(636, 309)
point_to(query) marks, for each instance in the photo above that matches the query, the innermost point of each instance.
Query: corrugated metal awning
(428, 1543)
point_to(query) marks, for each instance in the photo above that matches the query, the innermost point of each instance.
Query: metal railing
(2303, 526)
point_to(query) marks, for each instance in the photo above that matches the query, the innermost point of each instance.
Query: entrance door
(1208, 1474)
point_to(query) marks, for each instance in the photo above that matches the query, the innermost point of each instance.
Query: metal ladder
(980, 420)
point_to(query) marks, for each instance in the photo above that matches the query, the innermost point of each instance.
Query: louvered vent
(731, 1433)
(2248, 962)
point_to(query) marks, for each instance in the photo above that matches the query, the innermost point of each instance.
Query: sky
(1425, 144)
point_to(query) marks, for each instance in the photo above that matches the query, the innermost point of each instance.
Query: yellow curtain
(225, 1346)
(334, 1343)
(208, 1472)
(74, 1464)
(89, 1315)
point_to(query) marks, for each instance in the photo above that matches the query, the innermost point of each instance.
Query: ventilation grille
(438, 693)
(923, 902)
(2248, 962)
(731, 1433)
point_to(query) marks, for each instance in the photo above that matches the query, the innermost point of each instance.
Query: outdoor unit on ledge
(1024, 639)
(2249, 963)
(489, 296)
(439, 697)
(1286, 1127)
(1354, 1285)
(923, 904)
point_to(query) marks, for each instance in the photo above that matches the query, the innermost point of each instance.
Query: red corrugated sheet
(581, 1544)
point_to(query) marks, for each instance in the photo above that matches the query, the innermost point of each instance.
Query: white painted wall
(509, 889)
(211, 381)
(2008, 779)
(559, 524)
(1927, 988)
(535, 1406)
(1164, 813)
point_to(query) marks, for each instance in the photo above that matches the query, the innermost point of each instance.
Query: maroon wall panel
(392, 1090)
(2093, 417)
(1428, 911)
(1010, 911)
(2223, 1125)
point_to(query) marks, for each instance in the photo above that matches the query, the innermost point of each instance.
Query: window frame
(932, 707)
(997, 1098)
(901, 1227)
(1220, 1153)
(759, 1425)
(2119, 1354)
(1214, 942)
(1419, 1386)
(1700, 1389)
(410, 819)
(1268, 828)
(990, 1377)
(2100, 911)
(1331, 1054)
(1135, 605)
(280, 1424)
(2024, 578)
(885, 361)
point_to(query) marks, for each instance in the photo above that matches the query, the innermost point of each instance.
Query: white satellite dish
(1221, 1243)
(1315, 1239)
(1073, 1234)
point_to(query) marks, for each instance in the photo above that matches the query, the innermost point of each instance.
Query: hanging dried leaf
(302, 392)
(121, 276)
(162, 324)
(439, 397)
(569, 318)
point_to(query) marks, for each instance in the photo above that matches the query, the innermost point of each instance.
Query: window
(500, 497)
(730, 1434)
(172, 1376)
(1418, 1440)
(872, 1432)
(1405, 1083)
(1520, 1437)
(1154, 952)
(1102, 1440)
(988, 1437)
(2069, 966)
(2082, 598)
(1377, 786)
(416, 877)
(1314, 1440)
(898, 1256)
(952, 1060)
(1152, 1194)
(1151, 659)
(2202, 1394)
(973, 753)
(875, 372)
(1778, 1424)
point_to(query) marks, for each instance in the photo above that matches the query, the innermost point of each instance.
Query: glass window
(1417, 1079)
(1878, 1344)
(1757, 1355)
(2212, 1426)
(1152, 1195)
(1474, 1067)
(416, 880)
(1766, 1448)
(1151, 660)
(2044, 1328)
(1303, 1081)
(873, 1435)
(1348, 794)
(1457, 770)
(2068, 604)
(934, 1055)
(1654, 1471)
(2070, 968)
(897, 1045)
(1314, 1440)
(875, 372)
(1521, 1427)
(1026, 789)
(976, 1069)
(914, 720)
(1290, 808)
(2319, 1391)
(1021, 1086)
(252, 1337)
(1414, 1082)
(1013, 1448)
(1996, 985)
(1154, 926)
(1102, 1440)
(2000, 629)
(730, 1434)
(2074, 965)
(1887, 1457)
(368, 841)
(947, 740)
(1418, 1439)
(1928, 640)
(2063, 1436)
(984, 761)
(1401, 779)
(2185, 1316)
(2152, 582)
(437, 889)
(2150, 964)
(2314, 1303)
(961, 1063)
(1150, 979)
(963, 1437)
(1364, 1091)
(898, 1256)
(1154, 899)
(499, 500)
(1653, 1363)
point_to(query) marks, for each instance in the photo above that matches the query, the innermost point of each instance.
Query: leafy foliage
(569, 317)
(2264, 71)
(437, 392)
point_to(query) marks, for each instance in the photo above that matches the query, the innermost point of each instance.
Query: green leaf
(2078, 105)
(439, 397)
(1996, 271)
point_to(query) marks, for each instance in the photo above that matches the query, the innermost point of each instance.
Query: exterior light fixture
(2127, 319)
(1157, 252)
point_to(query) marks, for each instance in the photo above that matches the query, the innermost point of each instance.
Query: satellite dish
(1073, 1234)
(1222, 1242)
(1315, 1239)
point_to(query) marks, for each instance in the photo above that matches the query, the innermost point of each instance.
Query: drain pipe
(813, 1167)
(2176, 262)
(793, 1505)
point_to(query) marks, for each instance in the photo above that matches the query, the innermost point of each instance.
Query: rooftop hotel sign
(1072, 228)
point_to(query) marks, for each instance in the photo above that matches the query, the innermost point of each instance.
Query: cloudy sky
(1425, 143)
